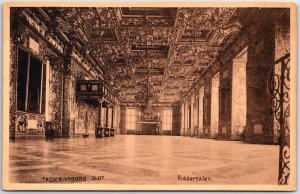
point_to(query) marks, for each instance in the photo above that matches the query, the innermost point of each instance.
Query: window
(196, 112)
(189, 117)
(31, 83)
(131, 118)
(206, 107)
(225, 104)
(167, 119)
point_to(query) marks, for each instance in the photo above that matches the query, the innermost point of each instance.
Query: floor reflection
(141, 160)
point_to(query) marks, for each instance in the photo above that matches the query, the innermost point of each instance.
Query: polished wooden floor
(142, 160)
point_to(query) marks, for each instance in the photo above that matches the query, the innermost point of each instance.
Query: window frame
(167, 122)
(131, 121)
(42, 92)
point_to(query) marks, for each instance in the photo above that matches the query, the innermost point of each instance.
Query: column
(239, 111)
(196, 114)
(100, 113)
(225, 89)
(106, 122)
(182, 119)
(68, 87)
(112, 117)
(192, 116)
(99, 129)
(261, 49)
(106, 129)
(118, 120)
(112, 130)
(207, 109)
(52, 124)
(214, 118)
(183, 109)
(47, 116)
(186, 118)
(200, 120)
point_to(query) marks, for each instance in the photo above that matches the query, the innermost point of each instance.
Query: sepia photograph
(139, 96)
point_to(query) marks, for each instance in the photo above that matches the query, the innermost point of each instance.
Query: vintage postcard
(140, 96)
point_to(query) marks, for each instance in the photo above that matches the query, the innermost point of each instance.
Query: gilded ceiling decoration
(149, 53)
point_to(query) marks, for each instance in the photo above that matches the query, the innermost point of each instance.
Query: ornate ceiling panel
(141, 17)
(147, 36)
(205, 18)
(153, 53)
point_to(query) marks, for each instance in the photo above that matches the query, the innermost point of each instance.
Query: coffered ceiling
(149, 53)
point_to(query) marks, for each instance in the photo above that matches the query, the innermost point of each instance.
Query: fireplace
(149, 124)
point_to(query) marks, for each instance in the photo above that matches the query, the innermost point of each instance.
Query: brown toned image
(139, 96)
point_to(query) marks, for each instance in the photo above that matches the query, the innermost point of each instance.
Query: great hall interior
(143, 91)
